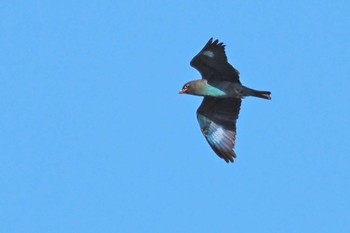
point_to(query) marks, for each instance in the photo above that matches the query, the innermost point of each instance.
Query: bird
(223, 92)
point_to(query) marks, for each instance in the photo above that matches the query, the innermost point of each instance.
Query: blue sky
(95, 138)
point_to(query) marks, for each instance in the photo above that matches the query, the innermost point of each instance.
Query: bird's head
(185, 88)
(188, 88)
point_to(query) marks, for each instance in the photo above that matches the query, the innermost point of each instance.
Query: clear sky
(95, 138)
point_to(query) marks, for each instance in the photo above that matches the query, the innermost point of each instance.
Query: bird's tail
(262, 94)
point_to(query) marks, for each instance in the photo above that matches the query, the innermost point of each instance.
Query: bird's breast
(225, 89)
(213, 91)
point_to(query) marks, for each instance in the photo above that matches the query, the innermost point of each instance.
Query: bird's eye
(186, 86)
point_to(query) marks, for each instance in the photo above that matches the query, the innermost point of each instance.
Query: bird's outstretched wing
(217, 119)
(212, 63)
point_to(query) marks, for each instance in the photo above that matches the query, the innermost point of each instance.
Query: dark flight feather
(217, 119)
(212, 63)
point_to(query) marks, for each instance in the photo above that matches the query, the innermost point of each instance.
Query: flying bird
(223, 92)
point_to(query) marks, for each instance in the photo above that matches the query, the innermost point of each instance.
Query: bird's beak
(182, 91)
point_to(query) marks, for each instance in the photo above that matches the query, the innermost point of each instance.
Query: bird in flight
(223, 93)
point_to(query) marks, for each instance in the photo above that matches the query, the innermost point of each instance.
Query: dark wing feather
(217, 119)
(212, 63)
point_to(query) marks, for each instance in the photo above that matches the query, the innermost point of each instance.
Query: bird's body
(222, 91)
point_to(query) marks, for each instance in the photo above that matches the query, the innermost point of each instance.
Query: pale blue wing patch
(221, 140)
(208, 53)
